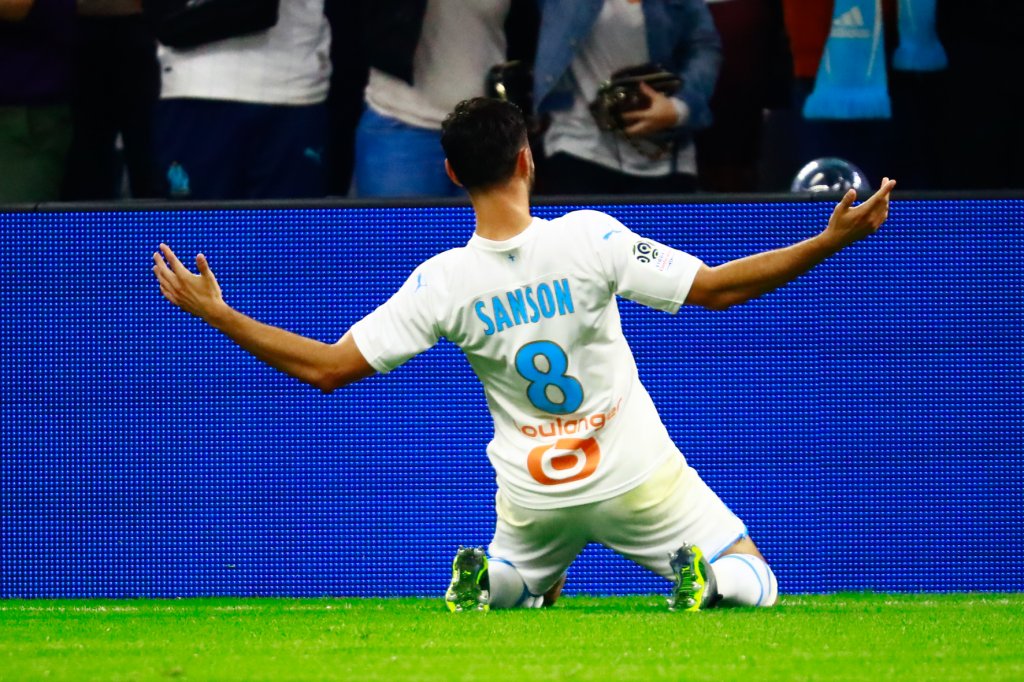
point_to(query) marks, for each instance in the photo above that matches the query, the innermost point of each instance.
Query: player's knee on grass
(508, 590)
(745, 580)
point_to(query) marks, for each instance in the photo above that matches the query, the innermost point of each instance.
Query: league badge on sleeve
(644, 251)
(660, 257)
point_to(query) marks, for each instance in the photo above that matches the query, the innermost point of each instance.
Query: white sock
(507, 587)
(745, 580)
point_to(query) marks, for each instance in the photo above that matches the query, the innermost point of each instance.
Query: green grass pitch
(977, 637)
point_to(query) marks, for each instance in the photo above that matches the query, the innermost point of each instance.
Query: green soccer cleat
(695, 587)
(470, 587)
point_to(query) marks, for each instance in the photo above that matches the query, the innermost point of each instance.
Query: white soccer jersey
(537, 319)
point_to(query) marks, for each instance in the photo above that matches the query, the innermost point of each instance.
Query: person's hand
(199, 294)
(850, 223)
(660, 115)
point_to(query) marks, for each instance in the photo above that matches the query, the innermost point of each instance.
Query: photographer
(649, 148)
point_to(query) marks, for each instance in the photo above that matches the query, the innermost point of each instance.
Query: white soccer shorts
(672, 507)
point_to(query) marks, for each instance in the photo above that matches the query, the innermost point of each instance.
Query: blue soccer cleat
(470, 587)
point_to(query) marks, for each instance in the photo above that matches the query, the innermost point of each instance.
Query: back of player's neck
(501, 215)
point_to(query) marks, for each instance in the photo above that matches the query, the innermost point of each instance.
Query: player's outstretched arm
(326, 366)
(747, 278)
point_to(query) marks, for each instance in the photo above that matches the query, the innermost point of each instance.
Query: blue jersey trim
(744, 534)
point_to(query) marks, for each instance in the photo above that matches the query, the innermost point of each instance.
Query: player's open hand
(197, 294)
(850, 223)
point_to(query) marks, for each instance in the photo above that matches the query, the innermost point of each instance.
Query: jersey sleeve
(401, 328)
(641, 269)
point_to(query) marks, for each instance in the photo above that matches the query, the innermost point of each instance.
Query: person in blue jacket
(581, 44)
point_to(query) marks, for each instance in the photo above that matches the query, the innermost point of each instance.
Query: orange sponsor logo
(566, 460)
(567, 427)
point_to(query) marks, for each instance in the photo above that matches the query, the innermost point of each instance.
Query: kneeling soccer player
(580, 452)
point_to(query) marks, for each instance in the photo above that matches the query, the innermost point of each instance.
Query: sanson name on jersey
(525, 305)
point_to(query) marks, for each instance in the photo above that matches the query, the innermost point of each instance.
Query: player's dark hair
(482, 138)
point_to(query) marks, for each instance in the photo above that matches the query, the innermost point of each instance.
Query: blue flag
(920, 49)
(851, 81)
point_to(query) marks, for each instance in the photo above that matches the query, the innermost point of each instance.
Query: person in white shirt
(246, 117)
(580, 452)
(426, 56)
(581, 45)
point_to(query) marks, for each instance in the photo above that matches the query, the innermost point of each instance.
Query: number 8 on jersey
(552, 376)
